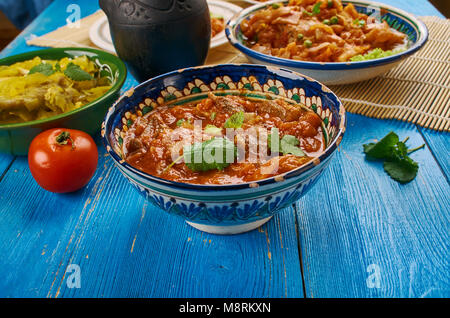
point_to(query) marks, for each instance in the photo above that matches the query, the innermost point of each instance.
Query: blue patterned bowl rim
(421, 29)
(107, 130)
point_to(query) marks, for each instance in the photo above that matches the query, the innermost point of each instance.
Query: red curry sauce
(149, 143)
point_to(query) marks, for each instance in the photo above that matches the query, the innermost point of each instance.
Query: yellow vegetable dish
(37, 89)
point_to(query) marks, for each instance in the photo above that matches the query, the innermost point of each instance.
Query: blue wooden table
(357, 233)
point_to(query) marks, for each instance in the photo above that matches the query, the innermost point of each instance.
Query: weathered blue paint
(355, 222)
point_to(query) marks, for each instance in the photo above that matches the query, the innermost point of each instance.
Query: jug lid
(136, 12)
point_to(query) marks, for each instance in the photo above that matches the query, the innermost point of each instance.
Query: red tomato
(62, 160)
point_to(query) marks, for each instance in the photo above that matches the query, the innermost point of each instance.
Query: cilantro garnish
(397, 164)
(275, 5)
(216, 153)
(43, 68)
(375, 54)
(383, 148)
(359, 22)
(235, 121)
(180, 122)
(76, 73)
(287, 145)
(315, 10)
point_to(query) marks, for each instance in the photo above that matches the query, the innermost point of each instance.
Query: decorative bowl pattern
(16, 138)
(342, 72)
(225, 209)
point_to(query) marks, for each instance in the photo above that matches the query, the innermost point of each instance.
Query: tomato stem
(63, 138)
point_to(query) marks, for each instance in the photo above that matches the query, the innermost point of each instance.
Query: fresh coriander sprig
(397, 164)
(76, 73)
(43, 68)
(235, 121)
(315, 10)
(216, 153)
(287, 145)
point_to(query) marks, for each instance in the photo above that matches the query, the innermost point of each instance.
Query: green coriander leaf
(216, 153)
(397, 163)
(399, 151)
(289, 145)
(180, 122)
(43, 68)
(235, 121)
(383, 148)
(275, 5)
(76, 73)
(375, 54)
(402, 170)
(290, 140)
(316, 8)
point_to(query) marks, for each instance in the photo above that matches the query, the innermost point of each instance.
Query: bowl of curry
(58, 87)
(226, 146)
(336, 42)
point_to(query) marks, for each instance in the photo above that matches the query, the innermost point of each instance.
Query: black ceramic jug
(157, 36)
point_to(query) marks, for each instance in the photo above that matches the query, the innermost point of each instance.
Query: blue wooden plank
(439, 143)
(357, 220)
(125, 247)
(5, 162)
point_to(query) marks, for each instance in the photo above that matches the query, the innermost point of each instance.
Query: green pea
(330, 3)
(300, 36)
(307, 43)
(334, 20)
(275, 5)
(326, 21)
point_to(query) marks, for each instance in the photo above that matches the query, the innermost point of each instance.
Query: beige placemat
(417, 91)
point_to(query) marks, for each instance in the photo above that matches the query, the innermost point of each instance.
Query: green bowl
(16, 138)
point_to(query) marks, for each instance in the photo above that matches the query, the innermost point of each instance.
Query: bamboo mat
(417, 91)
